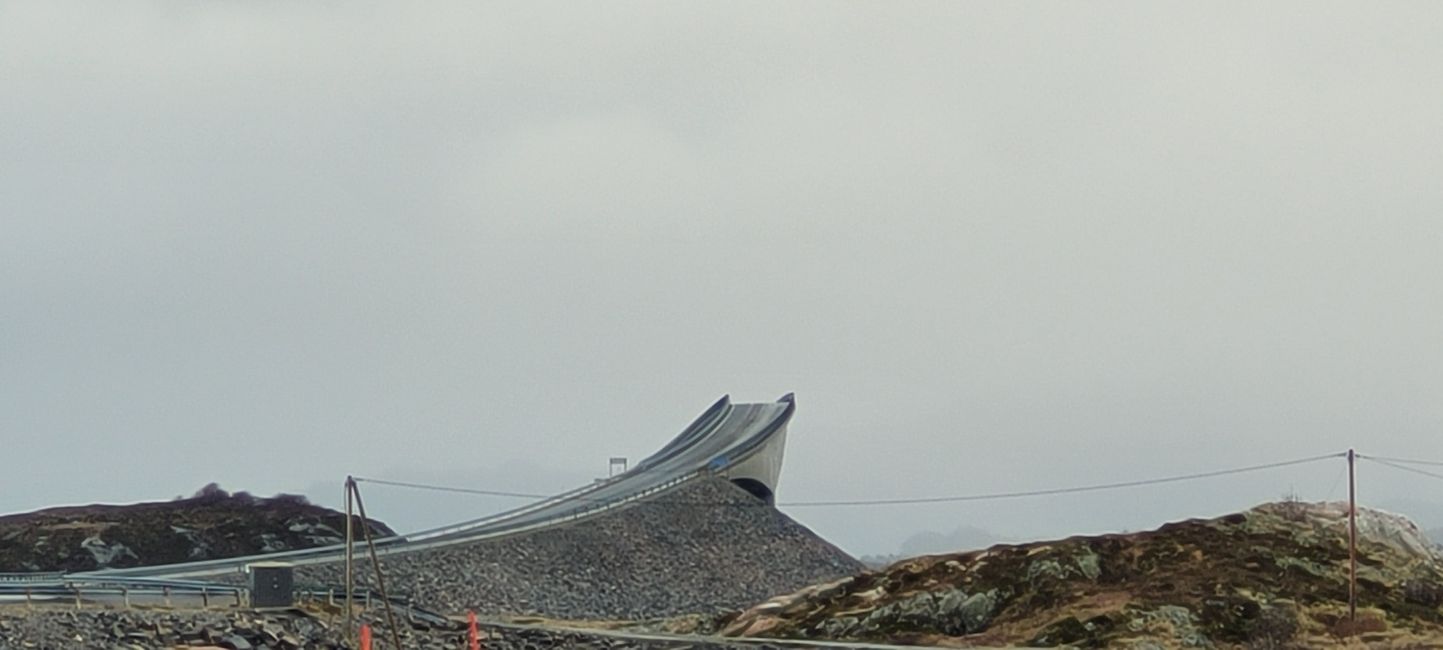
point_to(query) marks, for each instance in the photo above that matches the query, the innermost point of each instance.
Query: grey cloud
(990, 247)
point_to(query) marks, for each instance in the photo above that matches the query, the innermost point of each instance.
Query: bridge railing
(10, 578)
(597, 508)
(495, 525)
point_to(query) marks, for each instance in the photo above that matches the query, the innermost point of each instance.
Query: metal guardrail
(700, 429)
(586, 513)
(398, 544)
(211, 595)
(528, 508)
(389, 545)
(9, 578)
(119, 588)
(696, 431)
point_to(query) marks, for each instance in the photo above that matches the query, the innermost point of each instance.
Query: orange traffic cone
(472, 634)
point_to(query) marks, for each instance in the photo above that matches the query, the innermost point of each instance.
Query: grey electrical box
(272, 584)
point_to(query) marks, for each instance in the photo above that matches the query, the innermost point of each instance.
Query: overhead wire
(1070, 490)
(992, 496)
(1337, 481)
(1405, 461)
(447, 488)
(1404, 468)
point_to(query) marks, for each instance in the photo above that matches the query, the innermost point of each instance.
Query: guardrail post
(28, 603)
(166, 591)
(77, 596)
(204, 598)
(125, 596)
(238, 599)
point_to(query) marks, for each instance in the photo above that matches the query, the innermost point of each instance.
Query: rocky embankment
(705, 547)
(212, 524)
(1272, 577)
(110, 629)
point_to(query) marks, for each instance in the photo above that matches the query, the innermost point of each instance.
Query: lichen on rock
(1272, 577)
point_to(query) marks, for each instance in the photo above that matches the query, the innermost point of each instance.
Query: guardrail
(703, 428)
(599, 508)
(6, 578)
(526, 509)
(397, 544)
(124, 589)
(697, 430)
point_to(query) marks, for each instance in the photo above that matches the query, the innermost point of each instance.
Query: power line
(1405, 468)
(1070, 490)
(1405, 461)
(897, 501)
(446, 488)
(1342, 470)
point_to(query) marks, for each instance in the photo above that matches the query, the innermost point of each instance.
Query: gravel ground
(705, 547)
(111, 629)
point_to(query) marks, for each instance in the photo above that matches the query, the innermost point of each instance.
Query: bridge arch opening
(757, 489)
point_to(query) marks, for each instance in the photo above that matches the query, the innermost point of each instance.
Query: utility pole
(350, 541)
(380, 577)
(1352, 543)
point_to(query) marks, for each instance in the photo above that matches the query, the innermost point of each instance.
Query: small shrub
(1273, 629)
(212, 492)
(1423, 592)
(1367, 622)
(291, 499)
(1292, 507)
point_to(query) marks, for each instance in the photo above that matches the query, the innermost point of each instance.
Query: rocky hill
(705, 547)
(1271, 577)
(211, 524)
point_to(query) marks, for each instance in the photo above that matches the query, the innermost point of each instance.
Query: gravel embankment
(705, 547)
(111, 629)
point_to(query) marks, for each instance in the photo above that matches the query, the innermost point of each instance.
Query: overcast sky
(991, 247)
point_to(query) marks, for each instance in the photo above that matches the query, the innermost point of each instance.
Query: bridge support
(759, 474)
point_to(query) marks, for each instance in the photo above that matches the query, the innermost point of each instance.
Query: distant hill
(963, 538)
(928, 542)
(211, 524)
(1272, 577)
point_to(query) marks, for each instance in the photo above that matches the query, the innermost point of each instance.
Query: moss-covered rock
(210, 525)
(1271, 577)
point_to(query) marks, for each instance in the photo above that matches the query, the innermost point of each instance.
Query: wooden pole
(350, 542)
(376, 566)
(1352, 543)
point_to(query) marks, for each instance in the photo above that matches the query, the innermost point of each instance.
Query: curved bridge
(742, 442)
